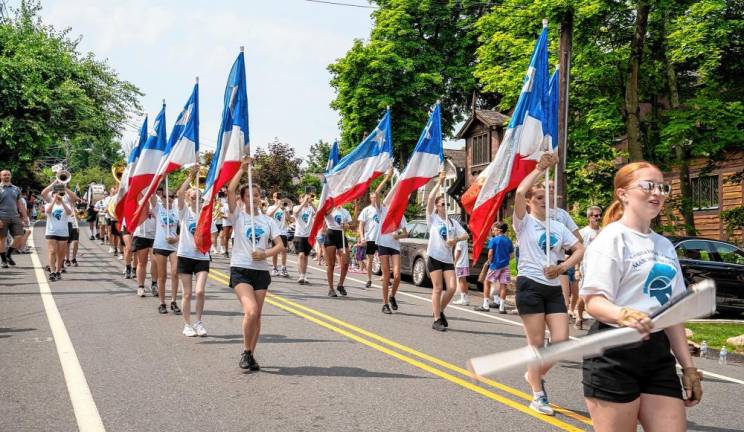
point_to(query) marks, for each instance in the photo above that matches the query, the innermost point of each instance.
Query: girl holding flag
(388, 250)
(539, 296)
(337, 244)
(164, 251)
(191, 262)
(444, 233)
(249, 271)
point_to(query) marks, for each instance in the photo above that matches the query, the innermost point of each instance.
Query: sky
(161, 46)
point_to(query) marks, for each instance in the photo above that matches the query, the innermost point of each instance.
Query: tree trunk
(681, 151)
(564, 58)
(633, 122)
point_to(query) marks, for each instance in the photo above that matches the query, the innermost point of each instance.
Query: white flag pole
(250, 193)
(547, 216)
(167, 206)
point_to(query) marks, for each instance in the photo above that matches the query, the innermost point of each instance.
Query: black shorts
(74, 234)
(384, 250)
(191, 266)
(285, 242)
(114, 230)
(371, 248)
(219, 227)
(302, 245)
(11, 225)
(533, 297)
(139, 243)
(163, 252)
(57, 238)
(124, 232)
(334, 238)
(258, 279)
(434, 265)
(622, 374)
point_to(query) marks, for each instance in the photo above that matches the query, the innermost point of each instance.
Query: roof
(457, 156)
(489, 118)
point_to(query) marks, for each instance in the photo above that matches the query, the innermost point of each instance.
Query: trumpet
(63, 176)
(201, 179)
(117, 170)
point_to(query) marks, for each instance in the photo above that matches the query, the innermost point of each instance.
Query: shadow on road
(337, 371)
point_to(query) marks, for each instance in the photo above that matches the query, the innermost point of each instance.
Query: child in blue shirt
(500, 250)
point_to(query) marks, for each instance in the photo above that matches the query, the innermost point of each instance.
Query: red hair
(623, 179)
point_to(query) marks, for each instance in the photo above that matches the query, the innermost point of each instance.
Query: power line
(343, 4)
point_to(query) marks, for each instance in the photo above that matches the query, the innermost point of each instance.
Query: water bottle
(704, 349)
(722, 356)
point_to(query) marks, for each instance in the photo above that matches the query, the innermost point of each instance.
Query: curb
(716, 321)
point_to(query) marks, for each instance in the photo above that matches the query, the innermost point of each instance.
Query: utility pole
(564, 53)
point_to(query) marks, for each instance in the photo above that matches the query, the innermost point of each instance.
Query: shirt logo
(659, 282)
(249, 232)
(167, 219)
(305, 217)
(57, 214)
(192, 227)
(337, 218)
(553, 241)
(443, 231)
(279, 215)
(376, 218)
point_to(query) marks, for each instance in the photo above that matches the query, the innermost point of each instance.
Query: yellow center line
(290, 306)
(444, 375)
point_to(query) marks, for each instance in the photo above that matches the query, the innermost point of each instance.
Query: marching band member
(539, 295)
(336, 244)
(57, 232)
(388, 251)
(444, 233)
(304, 214)
(249, 271)
(142, 242)
(369, 226)
(279, 214)
(164, 250)
(630, 271)
(227, 228)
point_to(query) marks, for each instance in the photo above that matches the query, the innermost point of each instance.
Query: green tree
(317, 159)
(54, 102)
(418, 52)
(277, 169)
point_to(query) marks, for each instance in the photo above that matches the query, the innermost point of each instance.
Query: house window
(481, 150)
(705, 193)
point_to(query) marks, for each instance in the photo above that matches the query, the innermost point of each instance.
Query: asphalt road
(327, 364)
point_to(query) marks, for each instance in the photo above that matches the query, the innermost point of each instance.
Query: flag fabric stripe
(121, 194)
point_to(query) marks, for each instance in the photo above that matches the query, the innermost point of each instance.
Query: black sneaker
(481, 309)
(48, 270)
(332, 293)
(227, 255)
(386, 309)
(252, 363)
(91, 238)
(368, 284)
(154, 289)
(63, 270)
(174, 307)
(244, 360)
(493, 305)
(444, 319)
(52, 277)
(393, 303)
(74, 262)
(10, 261)
(162, 309)
(438, 325)
(341, 290)
(128, 274)
(5, 264)
(68, 263)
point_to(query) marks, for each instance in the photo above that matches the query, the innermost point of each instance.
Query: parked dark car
(413, 255)
(702, 258)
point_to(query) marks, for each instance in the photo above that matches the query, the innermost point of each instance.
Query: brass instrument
(117, 170)
(202, 177)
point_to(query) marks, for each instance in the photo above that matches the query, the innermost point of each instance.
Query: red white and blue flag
(518, 153)
(232, 143)
(351, 176)
(425, 163)
(144, 170)
(121, 194)
(181, 151)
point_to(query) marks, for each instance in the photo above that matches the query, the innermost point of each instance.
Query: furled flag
(332, 160)
(140, 177)
(519, 151)
(351, 176)
(134, 154)
(425, 163)
(232, 142)
(180, 152)
(551, 114)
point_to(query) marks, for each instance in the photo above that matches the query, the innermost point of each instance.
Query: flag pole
(250, 188)
(547, 216)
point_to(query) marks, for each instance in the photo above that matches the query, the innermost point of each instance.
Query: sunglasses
(649, 187)
(595, 215)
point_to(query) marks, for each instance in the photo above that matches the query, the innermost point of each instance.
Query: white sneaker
(200, 329)
(274, 272)
(541, 405)
(188, 331)
(462, 301)
(111, 249)
(140, 291)
(121, 256)
(284, 272)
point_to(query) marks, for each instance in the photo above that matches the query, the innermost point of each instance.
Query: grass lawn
(715, 334)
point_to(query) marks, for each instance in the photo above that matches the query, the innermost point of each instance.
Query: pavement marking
(86, 412)
(507, 321)
(444, 375)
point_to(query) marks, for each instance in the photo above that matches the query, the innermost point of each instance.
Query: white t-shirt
(588, 234)
(186, 244)
(100, 206)
(105, 204)
(146, 229)
(166, 222)
(56, 224)
(266, 230)
(72, 218)
(226, 221)
(337, 216)
(280, 216)
(437, 247)
(562, 216)
(387, 240)
(463, 259)
(531, 237)
(303, 220)
(632, 269)
(370, 218)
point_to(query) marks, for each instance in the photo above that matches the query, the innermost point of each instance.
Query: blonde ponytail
(613, 213)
